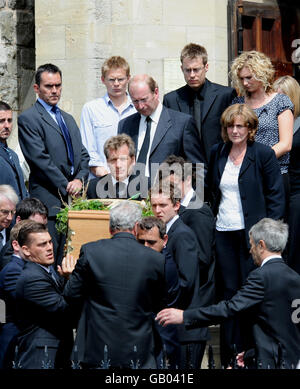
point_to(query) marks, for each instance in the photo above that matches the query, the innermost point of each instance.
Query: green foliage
(79, 204)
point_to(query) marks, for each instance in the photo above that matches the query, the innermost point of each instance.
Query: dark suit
(8, 280)
(183, 246)
(105, 185)
(44, 319)
(268, 294)
(121, 282)
(176, 133)
(215, 100)
(11, 172)
(201, 221)
(45, 151)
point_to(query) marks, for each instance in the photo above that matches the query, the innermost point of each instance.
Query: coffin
(86, 226)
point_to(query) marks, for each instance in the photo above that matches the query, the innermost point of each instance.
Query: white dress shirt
(99, 121)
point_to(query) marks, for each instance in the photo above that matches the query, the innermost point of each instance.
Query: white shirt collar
(171, 222)
(3, 233)
(268, 258)
(114, 181)
(155, 114)
(187, 198)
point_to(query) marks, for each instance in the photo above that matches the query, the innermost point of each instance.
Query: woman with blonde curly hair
(252, 74)
(243, 185)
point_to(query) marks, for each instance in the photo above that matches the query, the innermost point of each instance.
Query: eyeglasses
(113, 80)
(196, 70)
(6, 212)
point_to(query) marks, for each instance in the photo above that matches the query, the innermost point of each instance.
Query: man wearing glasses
(156, 130)
(8, 202)
(202, 99)
(100, 117)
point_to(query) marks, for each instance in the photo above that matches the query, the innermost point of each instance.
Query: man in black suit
(152, 233)
(156, 130)
(11, 171)
(120, 155)
(197, 215)
(44, 318)
(202, 99)
(183, 246)
(269, 295)
(9, 276)
(120, 281)
(51, 143)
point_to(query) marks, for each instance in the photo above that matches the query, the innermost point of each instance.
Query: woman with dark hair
(243, 185)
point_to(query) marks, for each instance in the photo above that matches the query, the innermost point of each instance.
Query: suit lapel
(183, 101)
(163, 126)
(223, 158)
(248, 159)
(47, 118)
(210, 96)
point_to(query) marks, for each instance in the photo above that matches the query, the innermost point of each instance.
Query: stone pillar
(17, 56)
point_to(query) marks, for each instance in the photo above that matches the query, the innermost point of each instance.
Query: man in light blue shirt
(100, 117)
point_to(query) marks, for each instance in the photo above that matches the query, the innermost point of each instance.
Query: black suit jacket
(104, 185)
(44, 319)
(201, 221)
(121, 282)
(260, 183)
(268, 294)
(217, 98)
(182, 245)
(176, 133)
(45, 151)
(11, 173)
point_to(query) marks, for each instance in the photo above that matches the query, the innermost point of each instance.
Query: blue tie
(65, 132)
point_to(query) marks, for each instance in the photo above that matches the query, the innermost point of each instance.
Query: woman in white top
(243, 185)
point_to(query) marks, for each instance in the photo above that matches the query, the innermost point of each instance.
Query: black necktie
(197, 113)
(142, 158)
(65, 132)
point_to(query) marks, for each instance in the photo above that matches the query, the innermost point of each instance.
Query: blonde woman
(252, 74)
(290, 87)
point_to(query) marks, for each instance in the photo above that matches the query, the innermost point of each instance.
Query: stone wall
(78, 35)
(17, 55)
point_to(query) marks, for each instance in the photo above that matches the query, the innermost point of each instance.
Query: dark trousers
(233, 264)
(294, 233)
(191, 355)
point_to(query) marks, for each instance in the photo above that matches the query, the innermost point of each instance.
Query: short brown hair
(27, 229)
(149, 222)
(115, 62)
(16, 228)
(249, 116)
(115, 142)
(167, 188)
(192, 50)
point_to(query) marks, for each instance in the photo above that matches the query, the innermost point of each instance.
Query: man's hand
(240, 359)
(99, 171)
(74, 187)
(169, 316)
(67, 266)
